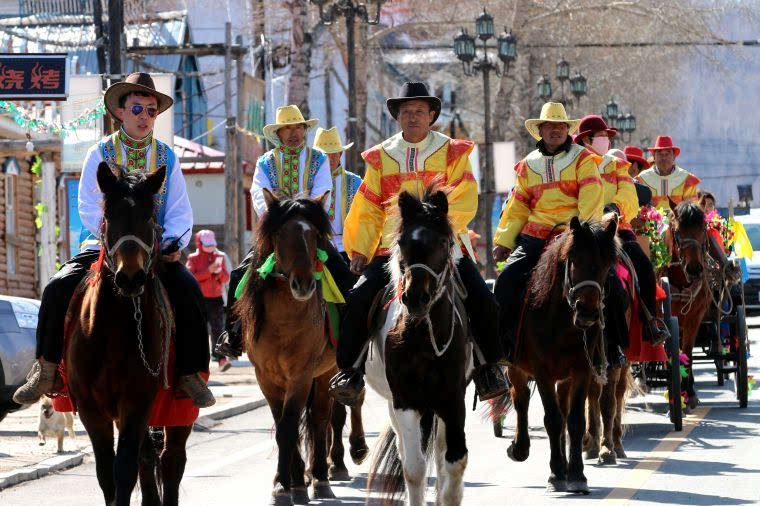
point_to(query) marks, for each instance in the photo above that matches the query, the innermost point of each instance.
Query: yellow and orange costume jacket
(548, 192)
(679, 185)
(618, 187)
(396, 165)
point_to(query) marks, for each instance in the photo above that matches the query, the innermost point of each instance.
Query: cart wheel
(676, 414)
(741, 361)
(497, 427)
(666, 311)
(719, 363)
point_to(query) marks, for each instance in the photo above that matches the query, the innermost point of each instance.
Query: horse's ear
(107, 181)
(672, 205)
(155, 181)
(323, 199)
(440, 201)
(575, 224)
(270, 198)
(409, 205)
(611, 226)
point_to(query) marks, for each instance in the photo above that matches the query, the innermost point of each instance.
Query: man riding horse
(555, 182)
(135, 103)
(666, 179)
(620, 196)
(291, 168)
(411, 160)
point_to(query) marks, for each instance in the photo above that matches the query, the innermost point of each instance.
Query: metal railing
(54, 7)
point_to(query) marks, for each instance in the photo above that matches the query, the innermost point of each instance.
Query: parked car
(18, 328)
(751, 224)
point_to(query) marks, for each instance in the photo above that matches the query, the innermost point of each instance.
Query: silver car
(18, 328)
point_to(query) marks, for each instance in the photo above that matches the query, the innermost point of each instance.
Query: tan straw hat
(139, 82)
(329, 141)
(551, 112)
(286, 115)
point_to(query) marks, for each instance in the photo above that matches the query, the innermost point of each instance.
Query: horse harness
(686, 293)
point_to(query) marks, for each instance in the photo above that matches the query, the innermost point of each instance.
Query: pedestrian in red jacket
(210, 270)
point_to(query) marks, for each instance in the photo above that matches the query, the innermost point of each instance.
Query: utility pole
(115, 31)
(239, 165)
(230, 167)
(351, 122)
(100, 44)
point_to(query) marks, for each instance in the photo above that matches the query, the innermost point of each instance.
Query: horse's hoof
(693, 401)
(556, 486)
(280, 496)
(620, 452)
(578, 487)
(299, 495)
(339, 474)
(322, 490)
(592, 453)
(516, 455)
(359, 454)
(607, 458)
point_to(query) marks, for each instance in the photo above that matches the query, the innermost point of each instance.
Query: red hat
(636, 154)
(590, 124)
(665, 142)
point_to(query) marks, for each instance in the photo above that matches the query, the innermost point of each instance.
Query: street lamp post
(465, 51)
(350, 10)
(614, 117)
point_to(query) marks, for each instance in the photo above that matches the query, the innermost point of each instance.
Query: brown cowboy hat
(136, 82)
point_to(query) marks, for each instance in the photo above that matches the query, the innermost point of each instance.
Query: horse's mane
(689, 214)
(589, 239)
(250, 305)
(130, 185)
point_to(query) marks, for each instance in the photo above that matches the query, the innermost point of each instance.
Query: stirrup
(347, 386)
(657, 331)
(490, 382)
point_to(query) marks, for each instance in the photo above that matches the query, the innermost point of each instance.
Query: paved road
(713, 461)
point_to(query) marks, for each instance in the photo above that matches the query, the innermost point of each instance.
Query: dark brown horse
(119, 335)
(421, 359)
(690, 290)
(283, 315)
(560, 340)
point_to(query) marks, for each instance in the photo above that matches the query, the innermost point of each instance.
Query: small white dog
(53, 423)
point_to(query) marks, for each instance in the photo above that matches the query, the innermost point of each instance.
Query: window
(10, 223)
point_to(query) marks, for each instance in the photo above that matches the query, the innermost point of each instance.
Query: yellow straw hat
(329, 141)
(286, 115)
(551, 112)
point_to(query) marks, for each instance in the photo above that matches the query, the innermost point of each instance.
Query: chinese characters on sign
(33, 76)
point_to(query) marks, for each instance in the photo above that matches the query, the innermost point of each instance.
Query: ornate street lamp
(578, 85)
(563, 70)
(465, 49)
(612, 109)
(544, 86)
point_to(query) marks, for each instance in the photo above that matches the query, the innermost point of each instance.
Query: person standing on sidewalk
(210, 270)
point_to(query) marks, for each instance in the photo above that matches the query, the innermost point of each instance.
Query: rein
(447, 278)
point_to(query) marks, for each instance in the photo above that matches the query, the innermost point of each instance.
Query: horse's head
(589, 253)
(130, 232)
(424, 247)
(294, 229)
(688, 238)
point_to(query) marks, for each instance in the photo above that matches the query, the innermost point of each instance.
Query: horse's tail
(386, 474)
(631, 388)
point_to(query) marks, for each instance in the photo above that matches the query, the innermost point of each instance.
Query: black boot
(230, 342)
(656, 332)
(490, 382)
(347, 386)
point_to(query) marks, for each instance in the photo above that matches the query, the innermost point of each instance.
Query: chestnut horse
(687, 272)
(283, 315)
(560, 344)
(119, 334)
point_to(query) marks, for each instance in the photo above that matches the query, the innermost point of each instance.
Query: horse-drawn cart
(722, 338)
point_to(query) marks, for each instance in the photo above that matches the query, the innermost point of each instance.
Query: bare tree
(300, 55)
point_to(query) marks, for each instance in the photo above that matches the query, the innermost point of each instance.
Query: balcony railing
(54, 7)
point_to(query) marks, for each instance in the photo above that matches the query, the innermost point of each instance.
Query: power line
(627, 45)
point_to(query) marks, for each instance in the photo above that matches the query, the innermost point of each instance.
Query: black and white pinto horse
(421, 358)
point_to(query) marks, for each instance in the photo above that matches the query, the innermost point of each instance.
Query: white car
(751, 224)
(18, 329)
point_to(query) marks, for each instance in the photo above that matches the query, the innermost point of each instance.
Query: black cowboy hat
(136, 82)
(414, 91)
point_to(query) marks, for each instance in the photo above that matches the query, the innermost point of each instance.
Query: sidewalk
(22, 459)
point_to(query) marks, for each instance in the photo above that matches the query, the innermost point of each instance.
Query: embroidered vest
(164, 156)
(268, 162)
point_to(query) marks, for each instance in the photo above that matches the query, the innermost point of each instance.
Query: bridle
(449, 283)
(570, 292)
(151, 251)
(683, 243)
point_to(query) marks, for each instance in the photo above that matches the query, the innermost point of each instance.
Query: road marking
(638, 476)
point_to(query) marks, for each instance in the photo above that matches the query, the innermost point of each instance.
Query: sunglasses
(138, 109)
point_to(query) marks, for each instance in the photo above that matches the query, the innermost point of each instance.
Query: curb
(211, 419)
(42, 469)
(61, 462)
